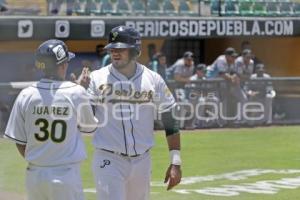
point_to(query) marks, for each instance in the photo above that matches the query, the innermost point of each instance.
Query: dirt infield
(10, 196)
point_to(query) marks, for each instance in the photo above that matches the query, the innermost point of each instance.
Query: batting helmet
(124, 37)
(52, 53)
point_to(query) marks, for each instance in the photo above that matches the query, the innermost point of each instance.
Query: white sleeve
(15, 129)
(238, 67)
(86, 120)
(164, 99)
(221, 66)
(177, 69)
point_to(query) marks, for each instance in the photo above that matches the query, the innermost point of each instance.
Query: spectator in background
(207, 93)
(200, 72)
(223, 67)
(159, 64)
(244, 65)
(247, 45)
(103, 58)
(263, 92)
(184, 68)
(151, 53)
(197, 93)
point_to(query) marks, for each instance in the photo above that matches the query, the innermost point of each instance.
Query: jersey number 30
(55, 134)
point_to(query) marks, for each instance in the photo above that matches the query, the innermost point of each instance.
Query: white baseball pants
(54, 183)
(119, 177)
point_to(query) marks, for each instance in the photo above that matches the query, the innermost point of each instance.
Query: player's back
(49, 111)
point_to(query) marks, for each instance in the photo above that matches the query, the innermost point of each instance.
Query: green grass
(204, 152)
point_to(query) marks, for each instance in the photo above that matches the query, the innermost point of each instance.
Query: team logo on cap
(114, 36)
(40, 65)
(59, 52)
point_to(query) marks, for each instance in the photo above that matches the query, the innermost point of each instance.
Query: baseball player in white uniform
(45, 122)
(261, 91)
(224, 67)
(244, 65)
(127, 96)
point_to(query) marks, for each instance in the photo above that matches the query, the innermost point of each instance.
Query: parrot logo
(105, 162)
(114, 36)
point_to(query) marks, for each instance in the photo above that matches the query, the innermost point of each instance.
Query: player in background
(184, 68)
(224, 67)
(244, 65)
(45, 123)
(127, 96)
(263, 92)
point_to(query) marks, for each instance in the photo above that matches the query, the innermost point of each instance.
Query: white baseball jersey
(220, 65)
(268, 86)
(183, 70)
(241, 68)
(126, 108)
(45, 117)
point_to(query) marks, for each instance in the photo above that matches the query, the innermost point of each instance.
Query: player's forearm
(21, 149)
(173, 137)
(174, 141)
(174, 149)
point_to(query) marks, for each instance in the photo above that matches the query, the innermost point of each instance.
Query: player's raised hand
(84, 77)
(173, 176)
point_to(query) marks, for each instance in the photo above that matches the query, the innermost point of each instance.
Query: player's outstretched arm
(173, 173)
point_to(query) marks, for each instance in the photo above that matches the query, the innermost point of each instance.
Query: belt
(123, 154)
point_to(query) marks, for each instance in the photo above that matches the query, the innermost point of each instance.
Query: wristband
(175, 157)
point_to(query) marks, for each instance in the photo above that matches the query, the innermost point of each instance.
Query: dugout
(275, 41)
